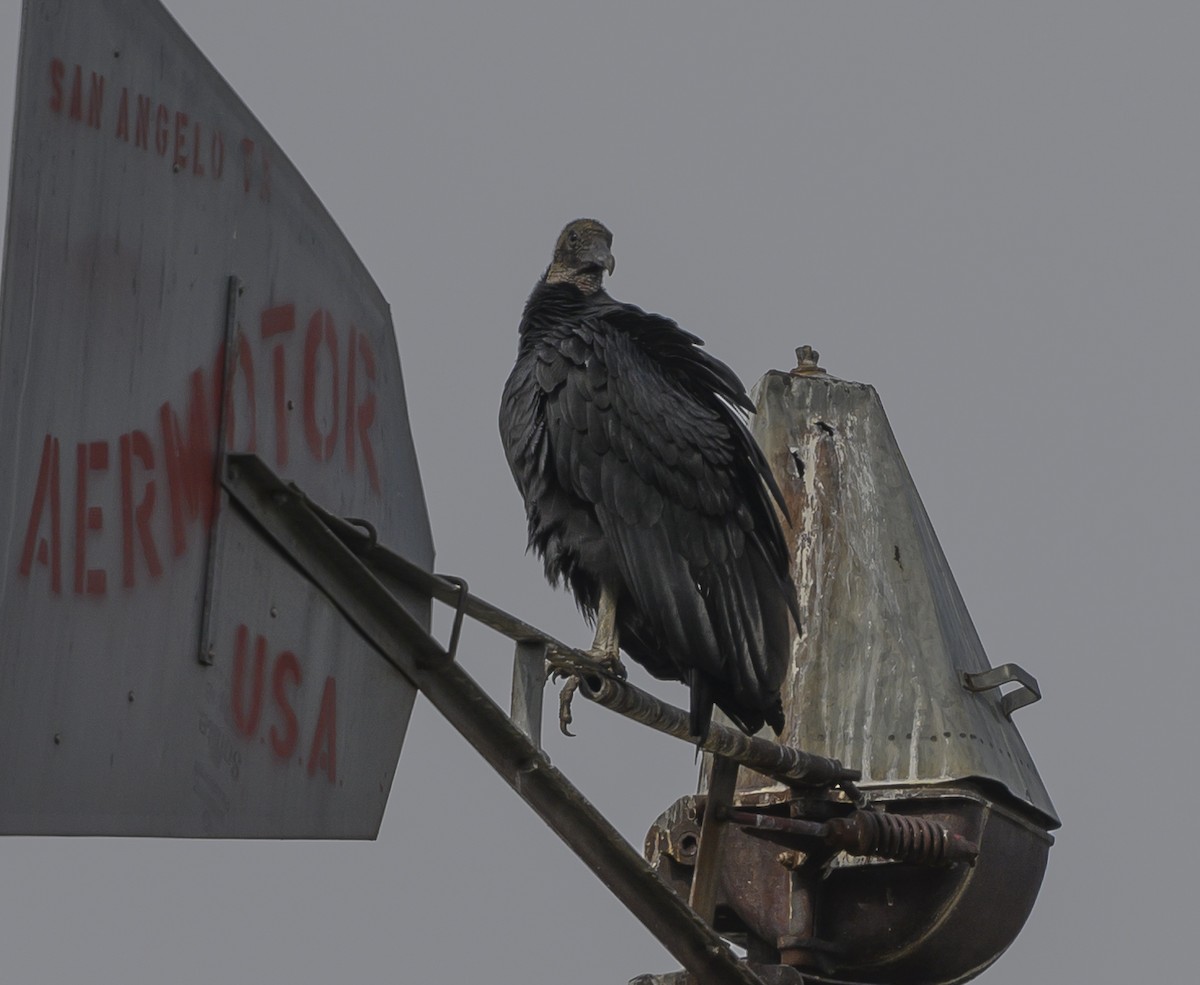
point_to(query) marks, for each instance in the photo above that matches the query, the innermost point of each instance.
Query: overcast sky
(990, 212)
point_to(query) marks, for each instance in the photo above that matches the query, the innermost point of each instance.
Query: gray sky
(988, 211)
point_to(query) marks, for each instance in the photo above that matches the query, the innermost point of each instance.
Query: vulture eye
(572, 237)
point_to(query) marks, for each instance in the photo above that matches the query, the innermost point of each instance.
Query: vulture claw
(616, 668)
(564, 704)
(609, 662)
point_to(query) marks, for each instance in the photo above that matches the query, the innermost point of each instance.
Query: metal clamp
(1026, 694)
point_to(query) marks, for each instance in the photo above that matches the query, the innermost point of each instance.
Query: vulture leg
(605, 648)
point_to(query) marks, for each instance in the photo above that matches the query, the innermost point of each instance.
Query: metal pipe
(770, 822)
(784, 763)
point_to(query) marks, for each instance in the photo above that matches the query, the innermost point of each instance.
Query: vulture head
(581, 255)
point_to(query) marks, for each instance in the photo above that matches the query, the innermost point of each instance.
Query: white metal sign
(161, 671)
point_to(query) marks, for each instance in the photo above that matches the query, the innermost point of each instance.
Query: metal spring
(900, 837)
(912, 839)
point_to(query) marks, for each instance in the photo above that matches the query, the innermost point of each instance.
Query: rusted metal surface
(876, 680)
(364, 595)
(140, 185)
(808, 882)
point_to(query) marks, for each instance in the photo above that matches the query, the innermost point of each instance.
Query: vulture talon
(564, 704)
(610, 663)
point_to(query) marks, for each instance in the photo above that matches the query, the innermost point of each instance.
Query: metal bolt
(130, 696)
(58, 738)
(806, 361)
(790, 859)
(274, 611)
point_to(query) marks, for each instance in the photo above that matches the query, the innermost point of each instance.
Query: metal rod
(784, 763)
(219, 527)
(286, 518)
(784, 825)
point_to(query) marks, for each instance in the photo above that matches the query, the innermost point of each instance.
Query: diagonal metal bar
(286, 519)
(707, 875)
(528, 683)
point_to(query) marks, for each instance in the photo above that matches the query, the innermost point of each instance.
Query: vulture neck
(588, 282)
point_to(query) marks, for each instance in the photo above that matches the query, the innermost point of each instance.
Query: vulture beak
(600, 257)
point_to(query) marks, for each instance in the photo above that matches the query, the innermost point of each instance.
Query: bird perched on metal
(645, 492)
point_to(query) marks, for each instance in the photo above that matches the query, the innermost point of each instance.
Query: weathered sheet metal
(876, 680)
(140, 186)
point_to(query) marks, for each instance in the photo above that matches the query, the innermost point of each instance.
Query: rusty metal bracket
(1026, 694)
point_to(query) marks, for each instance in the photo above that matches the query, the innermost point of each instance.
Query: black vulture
(646, 493)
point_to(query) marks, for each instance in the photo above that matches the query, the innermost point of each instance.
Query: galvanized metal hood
(877, 677)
